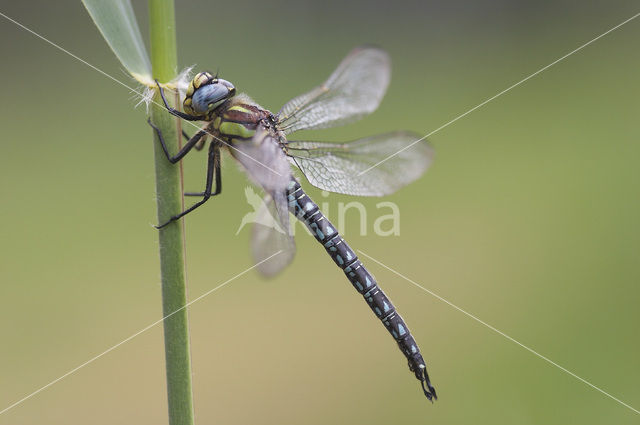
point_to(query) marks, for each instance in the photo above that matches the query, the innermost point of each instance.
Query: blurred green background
(527, 219)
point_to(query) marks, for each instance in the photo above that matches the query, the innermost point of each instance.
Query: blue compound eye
(209, 97)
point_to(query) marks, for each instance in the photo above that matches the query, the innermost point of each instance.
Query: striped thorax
(238, 119)
(233, 118)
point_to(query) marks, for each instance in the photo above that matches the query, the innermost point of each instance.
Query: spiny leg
(218, 180)
(198, 145)
(173, 111)
(191, 143)
(197, 141)
(213, 167)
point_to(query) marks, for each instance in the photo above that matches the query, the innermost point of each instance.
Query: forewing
(397, 159)
(354, 89)
(271, 240)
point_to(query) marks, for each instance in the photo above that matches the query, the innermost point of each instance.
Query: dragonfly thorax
(205, 94)
(238, 119)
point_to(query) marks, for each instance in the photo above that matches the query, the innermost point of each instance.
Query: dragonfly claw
(160, 226)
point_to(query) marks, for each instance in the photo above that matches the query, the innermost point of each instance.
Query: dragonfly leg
(191, 143)
(213, 168)
(198, 145)
(173, 111)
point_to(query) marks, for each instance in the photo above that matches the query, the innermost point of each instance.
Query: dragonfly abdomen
(308, 212)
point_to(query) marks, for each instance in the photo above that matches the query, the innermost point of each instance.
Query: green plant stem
(170, 202)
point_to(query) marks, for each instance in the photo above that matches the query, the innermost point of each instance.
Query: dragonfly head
(205, 93)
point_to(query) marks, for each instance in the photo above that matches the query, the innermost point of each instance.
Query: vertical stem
(170, 202)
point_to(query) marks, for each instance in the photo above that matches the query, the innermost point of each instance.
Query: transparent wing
(268, 167)
(354, 89)
(264, 160)
(346, 168)
(271, 240)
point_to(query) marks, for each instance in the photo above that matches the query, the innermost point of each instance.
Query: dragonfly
(258, 139)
